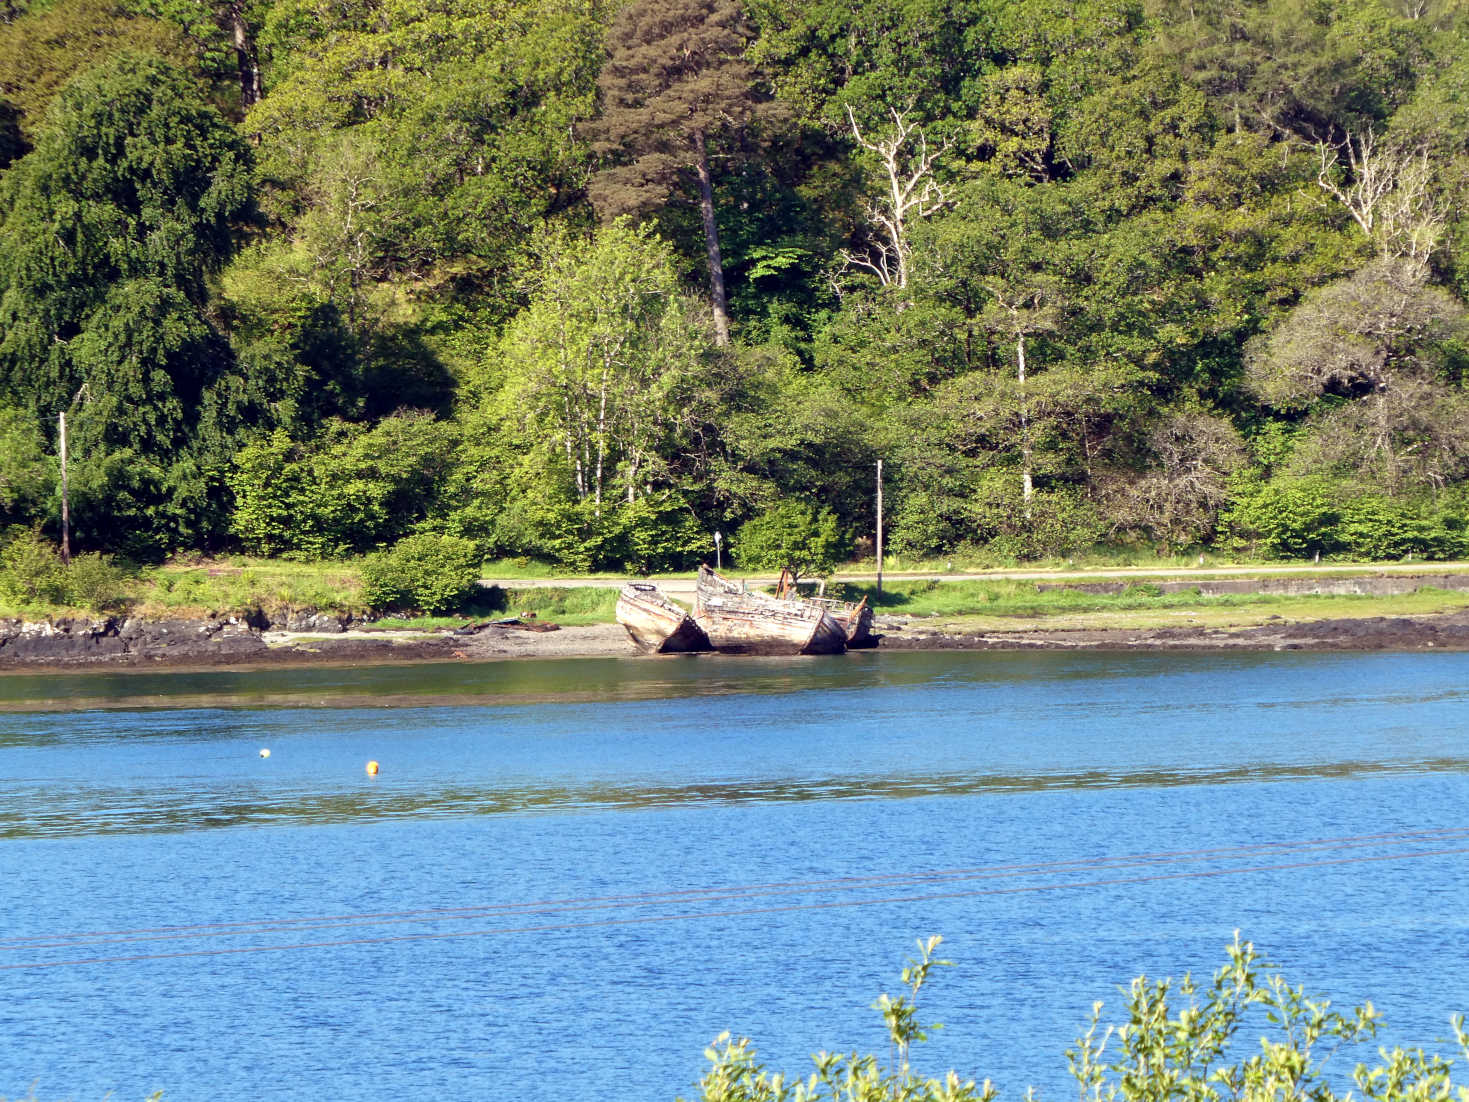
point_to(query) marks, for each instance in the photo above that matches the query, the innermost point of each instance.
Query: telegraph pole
(879, 527)
(65, 504)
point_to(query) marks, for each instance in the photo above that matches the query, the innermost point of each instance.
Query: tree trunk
(1027, 484)
(711, 240)
(246, 58)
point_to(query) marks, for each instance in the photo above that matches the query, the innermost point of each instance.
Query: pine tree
(675, 80)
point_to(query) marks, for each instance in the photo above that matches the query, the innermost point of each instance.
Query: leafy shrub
(650, 535)
(350, 489)
(1177, 1042)
(31, 570)
(1377, 527)
(424, 573)
(1285, 517)
(926, 524)
(32, 573)
(736, 1075)
(660, 533)
(793, 535)
(95, 581)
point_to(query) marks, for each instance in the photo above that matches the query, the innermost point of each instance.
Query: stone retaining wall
(1373, 585)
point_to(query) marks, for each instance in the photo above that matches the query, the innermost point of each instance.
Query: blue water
(134, 805)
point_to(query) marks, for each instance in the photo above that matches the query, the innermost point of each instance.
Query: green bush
(1178, 1042)
(1377, 527)
(95, 581)
(349, 489)
(659, 534)
(650, 535)
(32, 573)
(992, 516)
(793, 535)
(1284, 517)
(423, 573)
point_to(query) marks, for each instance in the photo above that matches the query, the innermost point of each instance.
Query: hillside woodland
(587, 282)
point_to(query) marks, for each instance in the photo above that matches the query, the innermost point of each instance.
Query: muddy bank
(1449, 631)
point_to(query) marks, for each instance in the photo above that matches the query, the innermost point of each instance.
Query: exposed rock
(310, 620)
(70, 642)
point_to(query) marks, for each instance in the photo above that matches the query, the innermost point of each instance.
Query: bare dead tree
(1388, 191)
(911, 193)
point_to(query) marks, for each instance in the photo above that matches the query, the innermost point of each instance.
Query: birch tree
(600, 365)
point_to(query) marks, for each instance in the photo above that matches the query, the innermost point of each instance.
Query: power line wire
(712, 894)
(740, 912)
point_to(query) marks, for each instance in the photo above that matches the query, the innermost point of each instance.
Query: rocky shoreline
(313, 638)
(232, 641)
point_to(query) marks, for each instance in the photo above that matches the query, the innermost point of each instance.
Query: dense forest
(587, 282)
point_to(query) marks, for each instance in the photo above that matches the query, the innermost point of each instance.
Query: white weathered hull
(753, 623)
(655, 624)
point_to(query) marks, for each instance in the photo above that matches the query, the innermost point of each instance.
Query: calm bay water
(570, 875)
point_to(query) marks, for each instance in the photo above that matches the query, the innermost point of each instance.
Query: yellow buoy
(372, 769)
(265, 751)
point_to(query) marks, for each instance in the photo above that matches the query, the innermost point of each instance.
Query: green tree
(44, 49)
(1373, 356)
(872, 56)
(116, 223)
(606, 369)
(791, 535)
(675, 81)
(27, 474)
(425, 140)
(353, 488)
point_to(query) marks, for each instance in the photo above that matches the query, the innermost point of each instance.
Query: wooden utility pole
(65, 504)
(879, 527)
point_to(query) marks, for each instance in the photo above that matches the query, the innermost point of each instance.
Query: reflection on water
(61, 810)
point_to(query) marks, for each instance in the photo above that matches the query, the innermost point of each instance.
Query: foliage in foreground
(1177, 1043)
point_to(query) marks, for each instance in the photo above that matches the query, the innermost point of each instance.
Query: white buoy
(265, 751)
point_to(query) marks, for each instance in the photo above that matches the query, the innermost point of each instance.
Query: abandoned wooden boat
(855, 617)
(655, 624)
(756, 623)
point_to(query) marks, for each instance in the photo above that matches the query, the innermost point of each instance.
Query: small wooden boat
(655, 623)
(755, 623)
(855, 617)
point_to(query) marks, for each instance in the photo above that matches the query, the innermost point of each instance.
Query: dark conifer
(675, 81)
